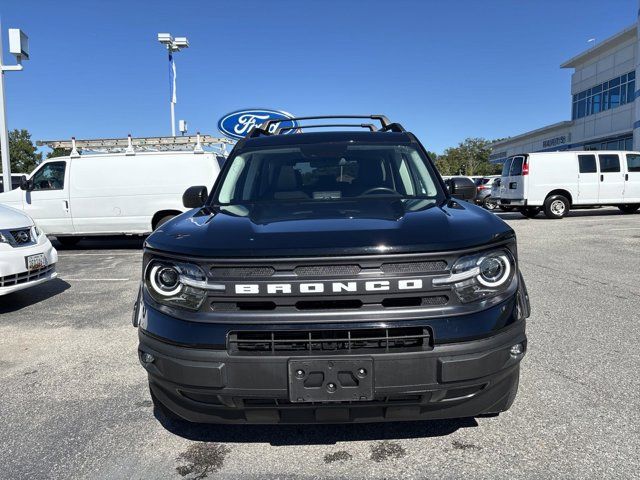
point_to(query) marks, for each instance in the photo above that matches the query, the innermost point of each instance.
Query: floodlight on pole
(18, 46)
(172, 45)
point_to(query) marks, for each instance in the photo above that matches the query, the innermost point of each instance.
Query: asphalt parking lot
(75, 404)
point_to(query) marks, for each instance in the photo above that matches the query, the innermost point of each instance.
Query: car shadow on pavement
(103, 243)
(317, 434)
(581, 213)
(30, 296)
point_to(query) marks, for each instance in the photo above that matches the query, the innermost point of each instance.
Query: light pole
(173, 45)
(18, 46)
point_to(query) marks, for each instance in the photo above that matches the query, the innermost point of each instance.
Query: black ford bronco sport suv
(331, 277)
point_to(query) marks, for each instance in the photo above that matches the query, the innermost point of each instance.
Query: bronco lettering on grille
(328, 287)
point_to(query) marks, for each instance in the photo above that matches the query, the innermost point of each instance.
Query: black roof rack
(370, 126)
(387, 126)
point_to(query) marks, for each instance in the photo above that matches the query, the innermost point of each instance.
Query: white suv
(27, 257)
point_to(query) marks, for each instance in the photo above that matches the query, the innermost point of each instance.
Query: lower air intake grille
(376, 340)
(25, 277)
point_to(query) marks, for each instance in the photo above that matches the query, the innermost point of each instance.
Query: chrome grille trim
(19, 237)
(26, 277)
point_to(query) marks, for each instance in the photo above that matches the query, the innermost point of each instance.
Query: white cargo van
(558, 181)
(113, 193)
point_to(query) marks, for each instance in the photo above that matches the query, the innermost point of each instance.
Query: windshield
(327, 172)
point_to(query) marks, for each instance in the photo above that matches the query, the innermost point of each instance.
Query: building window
(624, 143)
(607, 95)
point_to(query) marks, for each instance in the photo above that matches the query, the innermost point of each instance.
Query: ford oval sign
(240, 123)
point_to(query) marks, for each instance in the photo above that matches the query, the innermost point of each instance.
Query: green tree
(22, 152)
(59, 152)
(470, 157)
(432, 155)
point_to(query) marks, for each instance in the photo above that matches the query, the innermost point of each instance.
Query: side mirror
(463, 188)
(195, 197)
(24, 183)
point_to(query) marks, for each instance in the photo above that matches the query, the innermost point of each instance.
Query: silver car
(488, 192)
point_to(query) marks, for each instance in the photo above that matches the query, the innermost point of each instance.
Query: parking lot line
(74, 254)
(96, 279)
(628, 228)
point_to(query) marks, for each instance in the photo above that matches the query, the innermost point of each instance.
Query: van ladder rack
(130, 144)
(387, 126)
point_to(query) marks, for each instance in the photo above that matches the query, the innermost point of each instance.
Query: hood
(355, 227)
(11, 218)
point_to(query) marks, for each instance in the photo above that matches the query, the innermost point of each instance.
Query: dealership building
(604, 113)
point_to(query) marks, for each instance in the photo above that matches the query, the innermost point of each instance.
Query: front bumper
(448, 381)
(14, 275)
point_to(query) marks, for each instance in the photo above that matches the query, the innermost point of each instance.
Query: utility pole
(173, 45)
(18, 46)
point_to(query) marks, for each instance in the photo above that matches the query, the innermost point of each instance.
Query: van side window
(516, 167)
(506, 167)
(587, 163)
(633, 162)
(609, 163)
(50, 176)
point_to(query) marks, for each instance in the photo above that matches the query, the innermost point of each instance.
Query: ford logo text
(239, 124)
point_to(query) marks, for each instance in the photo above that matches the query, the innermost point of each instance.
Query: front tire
(556, 207)
(629, 207)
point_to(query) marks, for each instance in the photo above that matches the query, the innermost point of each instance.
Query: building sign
(239, 124)
(556, 141)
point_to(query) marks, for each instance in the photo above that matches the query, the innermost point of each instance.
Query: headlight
(176, 284)
(481, 275)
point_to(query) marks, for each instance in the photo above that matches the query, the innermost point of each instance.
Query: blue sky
(445, 69)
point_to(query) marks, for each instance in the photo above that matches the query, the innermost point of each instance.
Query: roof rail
(370, 126)
(384, 122)
(130, 144)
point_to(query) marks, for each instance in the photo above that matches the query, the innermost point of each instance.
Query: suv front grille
(414, 267)
(326, 270)
(343, 341)
(20, 237)
(241, 272)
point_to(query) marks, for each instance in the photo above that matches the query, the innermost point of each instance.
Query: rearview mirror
(195, 197)
(463, 188)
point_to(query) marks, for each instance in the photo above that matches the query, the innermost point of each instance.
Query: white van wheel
(629, 207)
(163, 220)
(556, 206)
